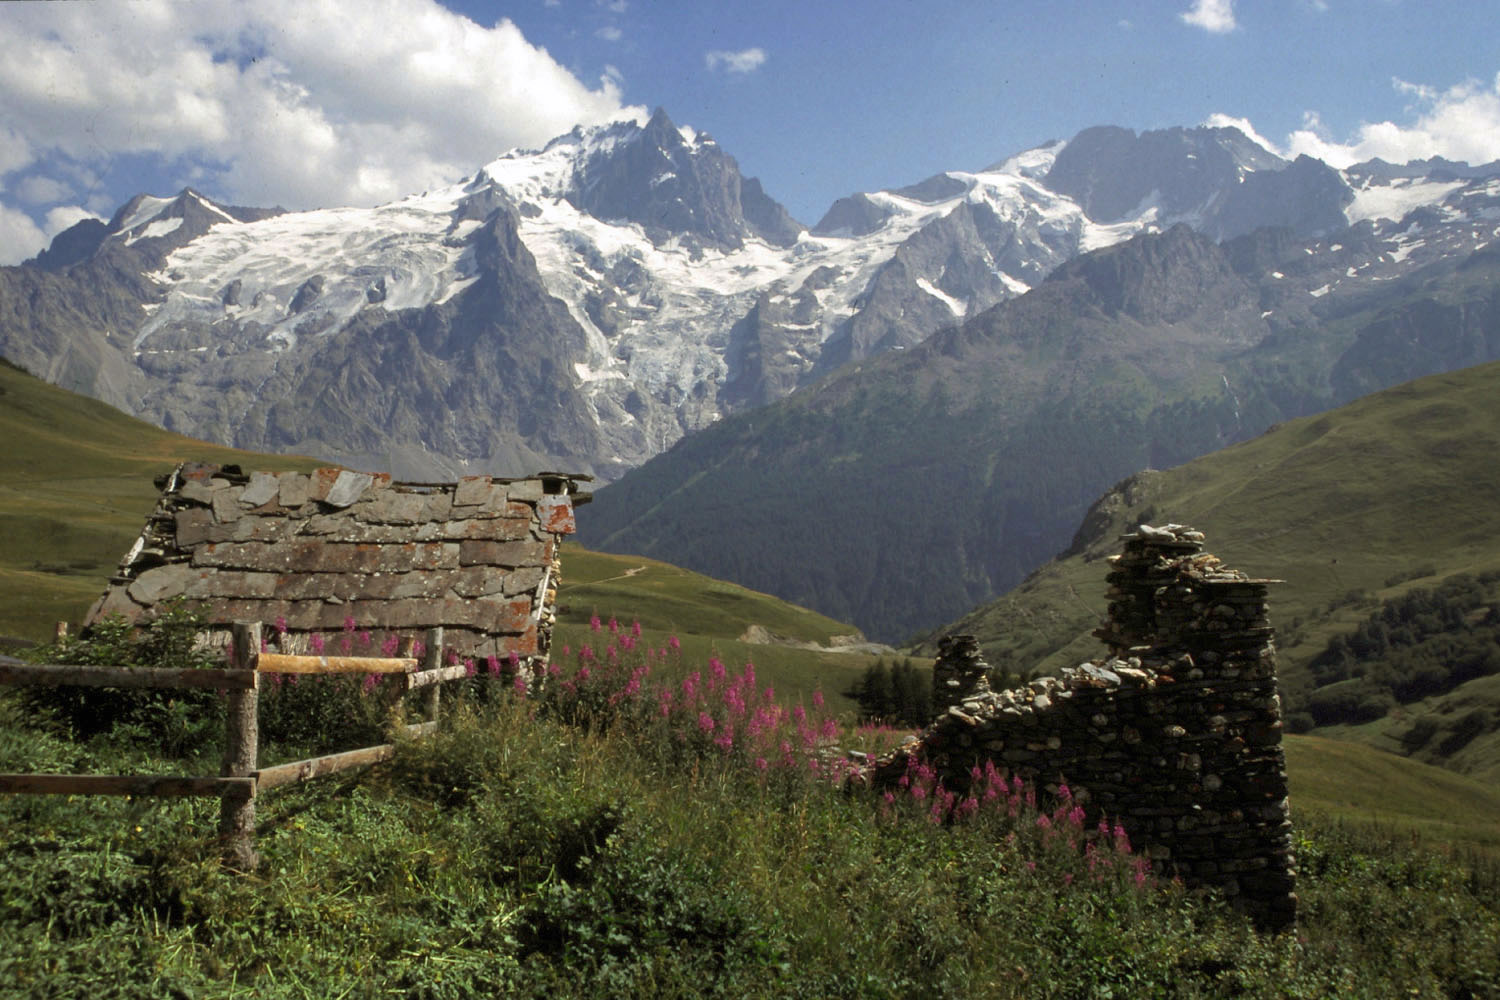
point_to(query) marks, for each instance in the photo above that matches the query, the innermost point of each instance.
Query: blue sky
(305, 103)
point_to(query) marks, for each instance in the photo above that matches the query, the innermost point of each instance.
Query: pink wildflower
(761, 764)
(469, 668)
(817, 699)
(370, 681)
(705, 722)
(316, 644)
(673, 643)
(390, 645)
(520, 684)
(492, 665)
(281, 625)
(635, 629)
(349, 625)
(594, 622)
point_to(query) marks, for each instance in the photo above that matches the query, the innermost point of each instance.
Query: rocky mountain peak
(1113, 172)
(675, 182)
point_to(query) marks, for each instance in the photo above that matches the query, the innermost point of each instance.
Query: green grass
(514, 855)
(665, 598)
(76, 490)
(708, 617)
(1353, 783)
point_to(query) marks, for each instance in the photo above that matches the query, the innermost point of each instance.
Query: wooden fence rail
(240, 777)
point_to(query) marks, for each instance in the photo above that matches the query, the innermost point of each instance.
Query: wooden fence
(240, 778)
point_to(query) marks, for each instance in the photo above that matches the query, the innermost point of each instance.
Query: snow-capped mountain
(587, 304)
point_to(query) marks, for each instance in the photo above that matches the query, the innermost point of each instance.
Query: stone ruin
(1176, 734)
(307, 554)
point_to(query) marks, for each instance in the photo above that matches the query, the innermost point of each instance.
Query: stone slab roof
(354, 558)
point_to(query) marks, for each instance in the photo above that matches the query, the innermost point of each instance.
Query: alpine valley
(888, 416)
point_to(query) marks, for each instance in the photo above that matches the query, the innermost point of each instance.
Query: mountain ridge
(689, 293)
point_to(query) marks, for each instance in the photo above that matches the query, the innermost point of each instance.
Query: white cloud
(20, 238)
(610, 33)
(744, 61)
(1460, 123)
(291, 102)
(65, 217)
(1215, 16)
(40, 190)
(1243, 124)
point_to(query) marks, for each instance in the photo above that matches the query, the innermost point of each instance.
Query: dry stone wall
(1176, 733)
(310, 554)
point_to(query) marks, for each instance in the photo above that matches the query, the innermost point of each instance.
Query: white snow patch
(956, 307)
(1403, 250)
(1016, 286)
(1394, 200)
(145, 211)
(156, 228)
(1318, 293)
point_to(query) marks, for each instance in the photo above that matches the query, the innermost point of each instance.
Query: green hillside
(709, 617)
(77, 487)
(1389, 493)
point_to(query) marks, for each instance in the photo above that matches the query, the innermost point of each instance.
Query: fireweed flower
(594, 623)
(492, 665)
(705, 722)
(316, 643)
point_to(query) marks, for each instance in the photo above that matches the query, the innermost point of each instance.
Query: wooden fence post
(431, 660)
(241, 748)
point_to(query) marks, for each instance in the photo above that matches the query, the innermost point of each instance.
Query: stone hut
(1176, 733)
(355, 559)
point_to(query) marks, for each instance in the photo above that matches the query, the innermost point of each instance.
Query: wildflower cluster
(1059, 834)
(686, 714)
